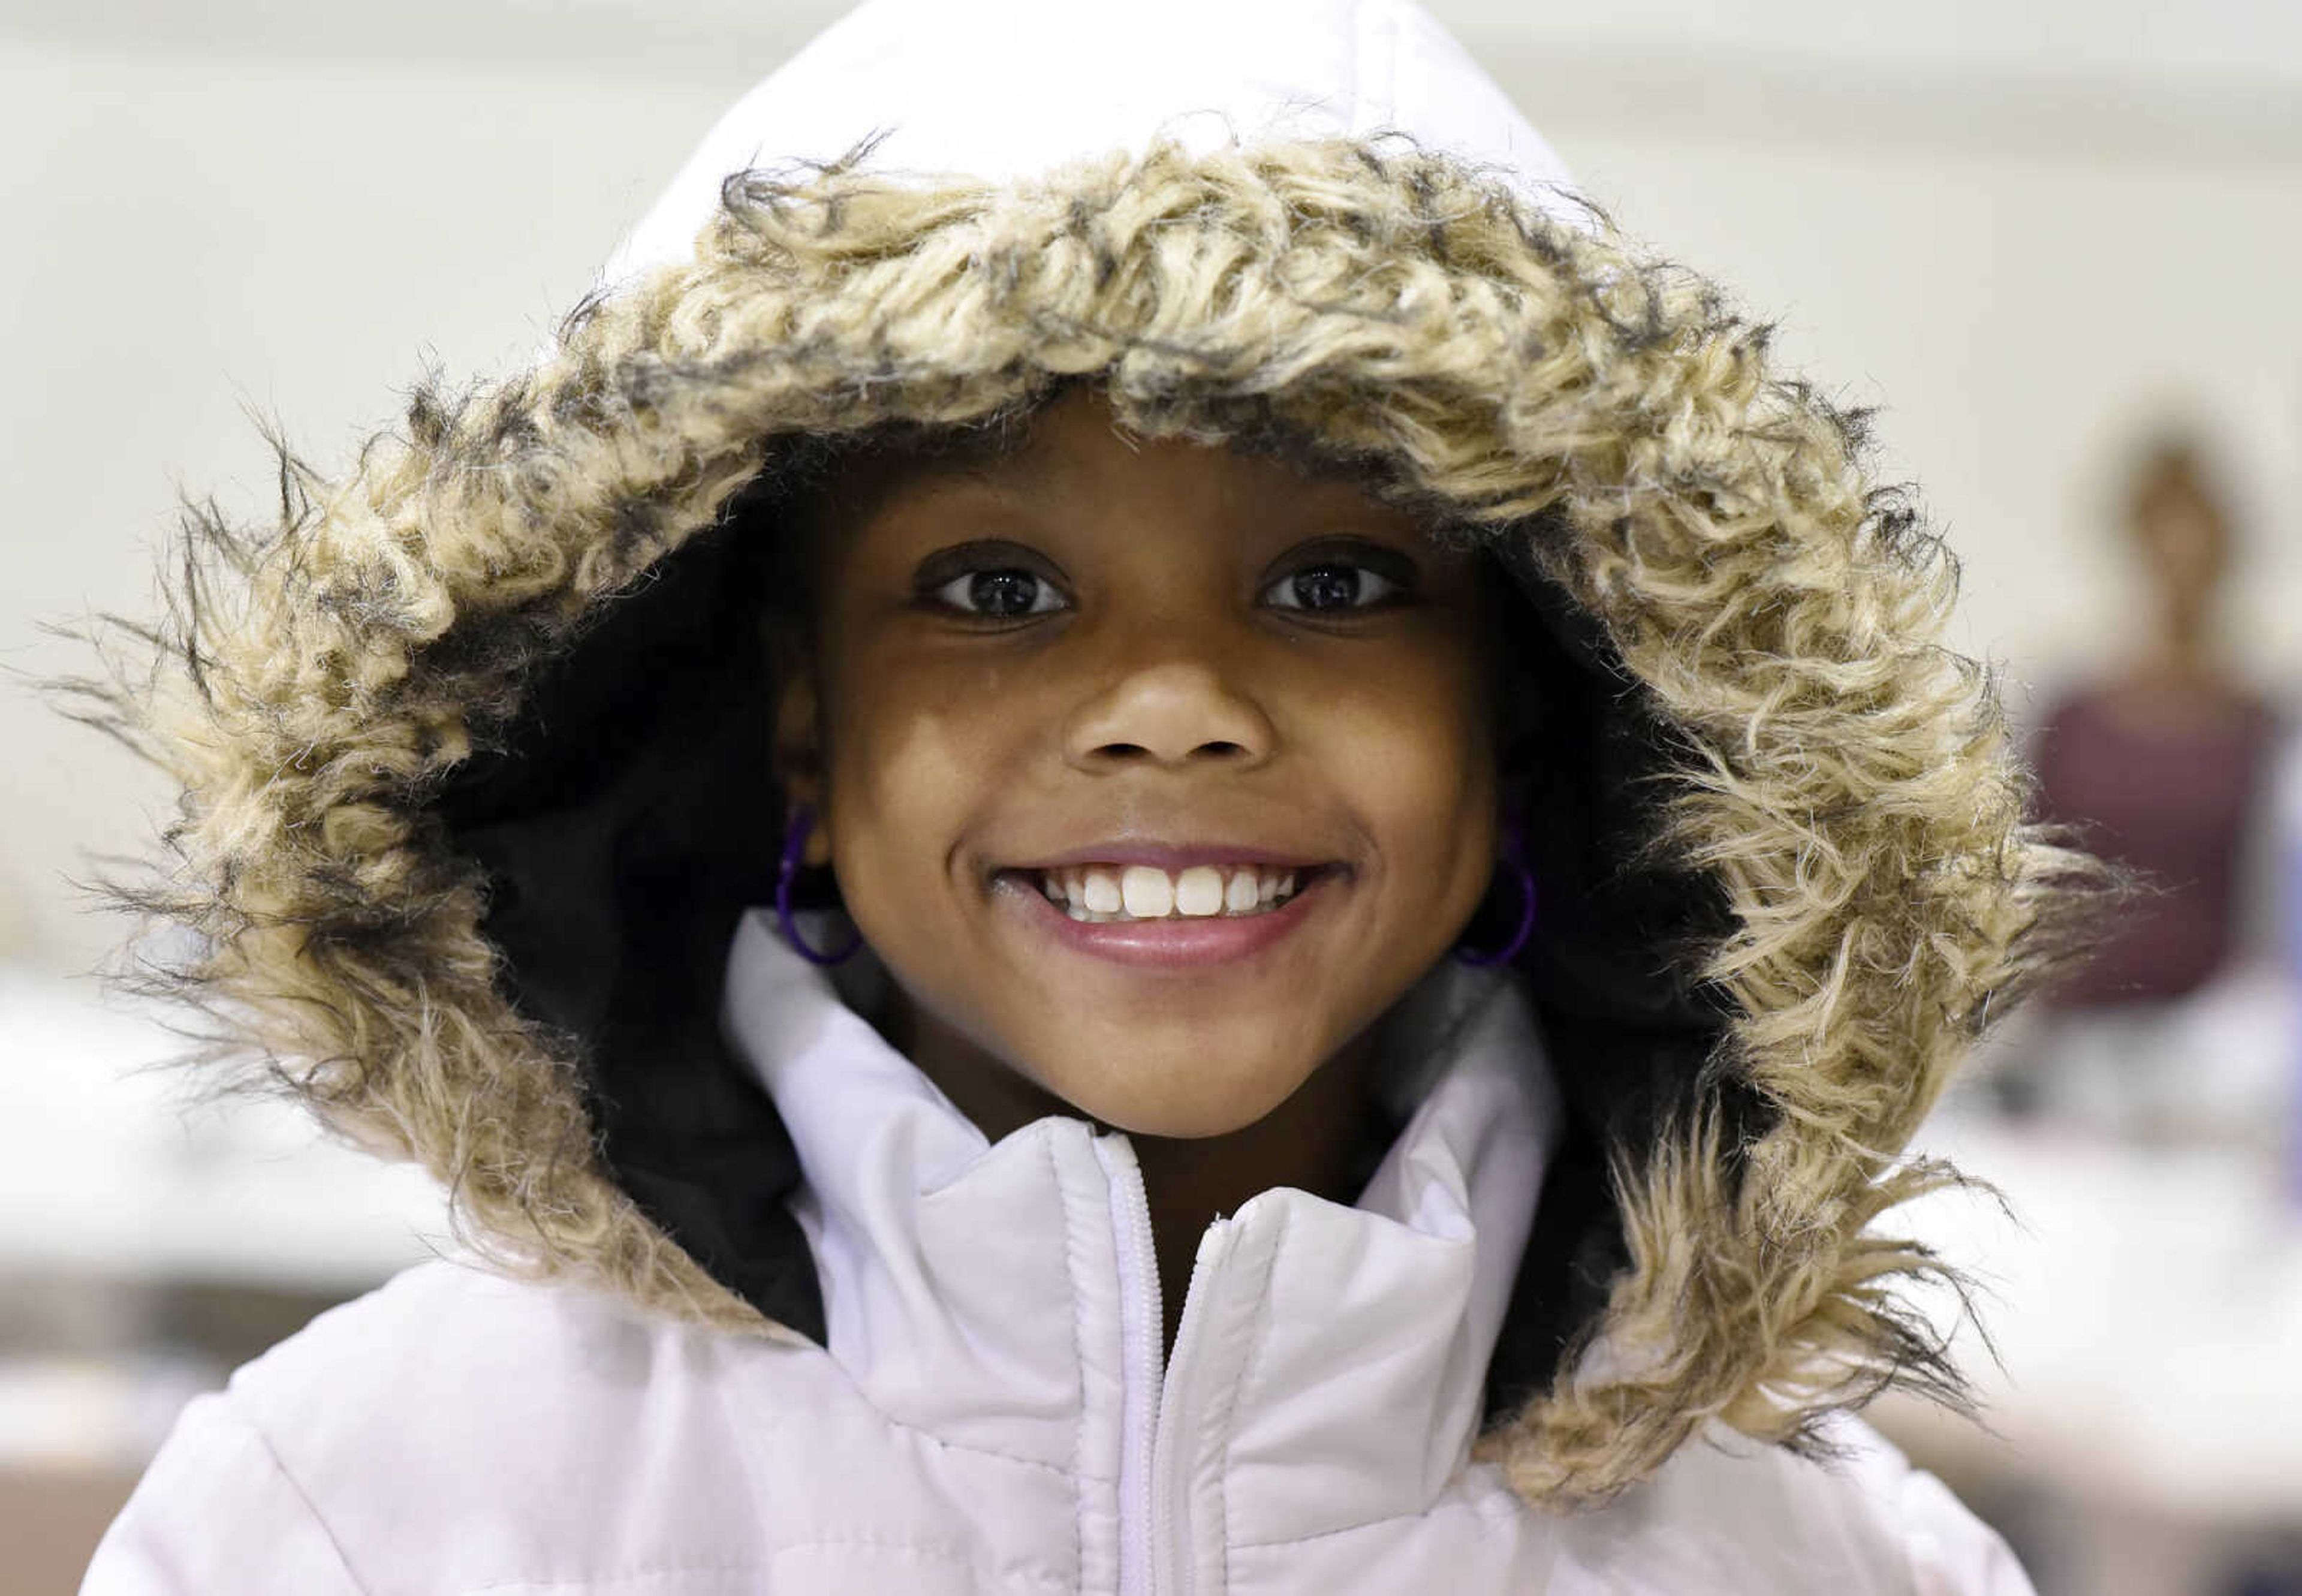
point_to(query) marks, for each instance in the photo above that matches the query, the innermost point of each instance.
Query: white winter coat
(748, 1307)
(990, 1413)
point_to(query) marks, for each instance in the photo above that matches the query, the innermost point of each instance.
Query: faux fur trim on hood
(1788, 881)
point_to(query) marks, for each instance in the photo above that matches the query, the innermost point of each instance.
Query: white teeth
(1148, 892)
(1199, 890)
(1144, 892)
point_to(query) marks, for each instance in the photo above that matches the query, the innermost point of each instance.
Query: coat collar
(974, 1291)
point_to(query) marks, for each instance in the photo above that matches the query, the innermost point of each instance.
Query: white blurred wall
(2024, 229)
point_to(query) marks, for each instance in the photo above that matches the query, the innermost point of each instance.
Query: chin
(1192, 1110)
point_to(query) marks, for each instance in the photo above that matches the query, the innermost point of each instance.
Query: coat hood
(472, 744)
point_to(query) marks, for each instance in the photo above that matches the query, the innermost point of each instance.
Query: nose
(1168, 711)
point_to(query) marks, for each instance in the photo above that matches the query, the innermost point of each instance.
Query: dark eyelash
(928, 596)
(965, 559)
(994, 556)
(1400, 573)
(947, 566)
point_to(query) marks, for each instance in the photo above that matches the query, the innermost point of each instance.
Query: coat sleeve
(1953, 1553)
(216, 1513)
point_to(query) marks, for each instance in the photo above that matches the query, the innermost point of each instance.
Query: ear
(797, 755)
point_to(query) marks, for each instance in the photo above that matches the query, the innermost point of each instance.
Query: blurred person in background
(2166, 764)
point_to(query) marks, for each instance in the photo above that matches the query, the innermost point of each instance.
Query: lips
(1172, 857)
(1177, 945)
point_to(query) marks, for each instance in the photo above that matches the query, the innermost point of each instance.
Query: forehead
(1075, 439)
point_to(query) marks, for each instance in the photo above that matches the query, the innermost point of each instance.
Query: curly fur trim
(1850, 782)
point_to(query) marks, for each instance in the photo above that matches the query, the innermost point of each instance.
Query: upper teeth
(1146, 892)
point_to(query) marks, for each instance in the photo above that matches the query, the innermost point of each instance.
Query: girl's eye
(1334, 586)
(984, 579)
(1004, 592)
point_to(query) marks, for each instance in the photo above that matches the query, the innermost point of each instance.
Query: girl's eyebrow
(993, 459)
(975, 450)
(863, 474)
(999, 458)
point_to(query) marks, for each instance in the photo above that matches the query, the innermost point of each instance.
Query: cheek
(899, 763)
(1419, 768)
(910, 771)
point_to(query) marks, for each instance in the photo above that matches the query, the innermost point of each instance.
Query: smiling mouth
(1147, 895)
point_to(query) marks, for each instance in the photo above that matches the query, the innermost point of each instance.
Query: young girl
(1159, 837)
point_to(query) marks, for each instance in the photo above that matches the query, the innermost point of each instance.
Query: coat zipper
(1155, 1529)
(1173, 1572)
(1140, 1327)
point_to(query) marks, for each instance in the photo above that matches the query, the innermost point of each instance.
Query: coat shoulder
(1760, 1517)
(456, 1429)
(215, 1511)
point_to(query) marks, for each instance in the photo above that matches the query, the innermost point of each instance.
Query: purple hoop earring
(794, 841)
(1514, 852)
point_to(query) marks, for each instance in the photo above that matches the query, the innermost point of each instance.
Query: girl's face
(1180, 645)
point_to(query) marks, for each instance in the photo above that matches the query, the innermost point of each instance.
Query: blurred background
(2054, 241)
